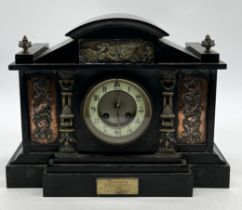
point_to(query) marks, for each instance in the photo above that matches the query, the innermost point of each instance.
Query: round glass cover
(117, 111)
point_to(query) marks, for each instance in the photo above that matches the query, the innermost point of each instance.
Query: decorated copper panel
(42, 110)
(116, 51)
(192, 109)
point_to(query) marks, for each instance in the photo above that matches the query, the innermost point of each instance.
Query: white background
(184, 20)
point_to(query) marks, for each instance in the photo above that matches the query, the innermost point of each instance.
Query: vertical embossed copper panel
(192, 109)
(42, 110)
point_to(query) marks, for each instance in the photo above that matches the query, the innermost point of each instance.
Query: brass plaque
(117, 186)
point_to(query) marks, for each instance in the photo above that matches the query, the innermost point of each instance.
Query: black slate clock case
(174, 154)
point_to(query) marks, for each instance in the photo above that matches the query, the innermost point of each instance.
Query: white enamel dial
(117, 111)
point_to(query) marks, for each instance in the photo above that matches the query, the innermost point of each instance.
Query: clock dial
(117, 111)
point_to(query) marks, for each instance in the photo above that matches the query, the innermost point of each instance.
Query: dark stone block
(199, 51)
(150, 184)
(33, 52)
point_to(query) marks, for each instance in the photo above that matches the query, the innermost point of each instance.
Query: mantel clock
(117, 110)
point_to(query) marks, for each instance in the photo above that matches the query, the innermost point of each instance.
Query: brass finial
(208, 43)
(25, 44)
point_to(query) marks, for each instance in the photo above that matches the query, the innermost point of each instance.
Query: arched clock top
(117, 28)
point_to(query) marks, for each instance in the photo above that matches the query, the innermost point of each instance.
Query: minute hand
(118, 100)
(118, 107)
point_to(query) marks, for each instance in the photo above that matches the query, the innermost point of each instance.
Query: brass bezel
(118, 140)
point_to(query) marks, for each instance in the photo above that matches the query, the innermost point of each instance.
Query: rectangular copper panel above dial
(192, 109)
(42, 110)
